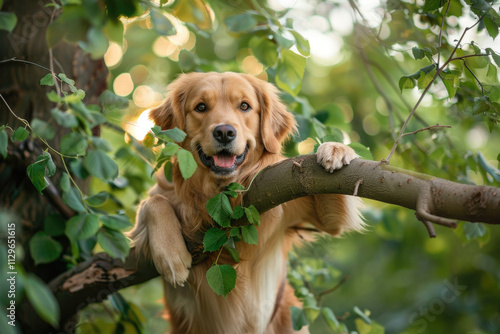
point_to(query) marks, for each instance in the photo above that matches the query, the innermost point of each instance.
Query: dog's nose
(224, 133)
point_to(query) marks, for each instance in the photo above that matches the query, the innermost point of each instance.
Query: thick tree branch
(435, 200)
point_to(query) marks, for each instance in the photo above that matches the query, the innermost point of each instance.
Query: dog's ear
(170, 113)
(276, 122)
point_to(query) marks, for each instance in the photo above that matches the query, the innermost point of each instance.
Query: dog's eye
(201, 107)
(244, 106)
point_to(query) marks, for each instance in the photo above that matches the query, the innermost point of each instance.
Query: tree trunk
(20, 87)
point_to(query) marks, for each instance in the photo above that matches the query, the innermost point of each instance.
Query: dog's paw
(173, 265)
(333, 156)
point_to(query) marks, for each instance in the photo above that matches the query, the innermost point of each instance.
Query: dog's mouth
(222, 163)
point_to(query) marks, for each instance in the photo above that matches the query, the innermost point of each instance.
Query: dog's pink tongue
(224, 161)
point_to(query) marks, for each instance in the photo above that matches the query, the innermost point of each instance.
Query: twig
(441, 32)
(54, 76)
(439, 70)
(338, 285)
(427, 128)
(472, 73)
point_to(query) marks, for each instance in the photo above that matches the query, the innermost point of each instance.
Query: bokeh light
(141, 126)
(123, 84)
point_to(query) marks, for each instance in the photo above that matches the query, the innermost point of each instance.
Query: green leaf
(4, 142)
(101, 144)
(425, 78)
(64, 78)
(114, 30)
(335, 136)
(74, 143)
(44, 249)
(417, 53)
(235, 232)
(82, 226)
(235, 186)
(221, 278)
(362, 314)
(65, 182)
(302, 43)
(250, 235)
(451, 82)
(213, 239)
(36, 173)
(47, 80)
(364, 328)
(241, 22)
(219, 208)
(115, 222)
(169, 135)
(299, 318)
(361, 150)
(474, 230)
(264, 50)
(291, 68)
(111, 102)
(187, 164)
(114, 243)
(73, 200)
(238, 212)
(8, 21)
(491, 26)
(406, 83)
(161, 23)
(49, 163)
(42, 299)
(330, 318)
(230, 247)
(494, 94)
(496, 57)
(43, 129)
(430, 5)
(253, 215)
(98, 199)
(64, 119)
(20, 134)
(97, 43)
(100, 165)
(491, 75)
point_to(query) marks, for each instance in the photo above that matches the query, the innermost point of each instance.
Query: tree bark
(20, 87)
(434, 199)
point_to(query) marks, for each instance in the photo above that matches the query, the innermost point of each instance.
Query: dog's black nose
(224, 133)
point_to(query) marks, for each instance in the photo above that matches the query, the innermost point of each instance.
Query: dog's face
(230, 119)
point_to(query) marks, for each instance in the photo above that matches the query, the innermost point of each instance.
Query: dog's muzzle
(222, 163)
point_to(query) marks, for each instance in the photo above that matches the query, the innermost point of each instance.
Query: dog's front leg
(336, 213)
(158, 234)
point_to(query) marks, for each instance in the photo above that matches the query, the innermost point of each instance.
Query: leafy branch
(435, 200)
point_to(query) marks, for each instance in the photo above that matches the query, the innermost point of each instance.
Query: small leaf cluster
(466, 68)
(222, 278)
(312, 280)
(271, 42)
(167, 140)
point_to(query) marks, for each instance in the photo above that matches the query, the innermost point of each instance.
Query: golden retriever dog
(235, 126)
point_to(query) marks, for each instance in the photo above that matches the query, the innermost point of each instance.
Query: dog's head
(229, 118)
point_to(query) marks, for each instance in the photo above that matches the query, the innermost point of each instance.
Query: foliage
(423, 69)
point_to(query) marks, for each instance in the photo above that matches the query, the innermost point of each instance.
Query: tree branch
(435, 200)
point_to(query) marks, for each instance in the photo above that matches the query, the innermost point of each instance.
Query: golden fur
(197, 103)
